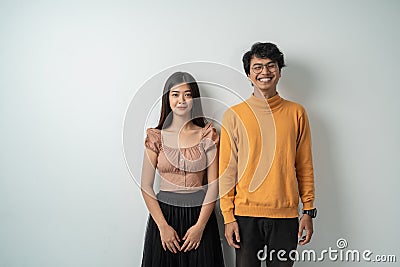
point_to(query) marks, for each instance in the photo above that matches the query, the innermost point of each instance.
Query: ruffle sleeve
(210, 138)
(153, 140)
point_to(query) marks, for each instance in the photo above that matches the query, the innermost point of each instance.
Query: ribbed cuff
(308, 205)
(228, 217)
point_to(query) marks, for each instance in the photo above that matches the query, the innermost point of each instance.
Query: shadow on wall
(300, 84)
(229, 252)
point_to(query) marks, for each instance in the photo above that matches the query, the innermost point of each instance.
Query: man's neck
(264, 94)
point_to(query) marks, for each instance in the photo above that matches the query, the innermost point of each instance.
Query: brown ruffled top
(183, 168)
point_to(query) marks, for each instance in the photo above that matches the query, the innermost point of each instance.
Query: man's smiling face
(264, 74)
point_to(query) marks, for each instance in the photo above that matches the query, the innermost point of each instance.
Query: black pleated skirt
(181, 210)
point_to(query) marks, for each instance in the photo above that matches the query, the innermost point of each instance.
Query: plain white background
(69, 69)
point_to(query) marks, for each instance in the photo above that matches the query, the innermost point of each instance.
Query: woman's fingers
(170, 239)
(177, 237)
(186, 235)
(190, 245)
(171, 247)
(176, 244)
(185, 244)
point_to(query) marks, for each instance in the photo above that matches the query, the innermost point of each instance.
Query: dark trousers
(262, 239)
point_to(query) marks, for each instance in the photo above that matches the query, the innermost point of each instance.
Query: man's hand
(305, 224)
(231, 230)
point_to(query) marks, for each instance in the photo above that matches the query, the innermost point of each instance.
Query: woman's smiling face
(180, 99)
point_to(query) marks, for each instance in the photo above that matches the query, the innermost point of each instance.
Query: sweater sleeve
(303, 164)
(228, 166)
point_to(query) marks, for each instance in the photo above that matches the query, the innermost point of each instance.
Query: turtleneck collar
(274, 102)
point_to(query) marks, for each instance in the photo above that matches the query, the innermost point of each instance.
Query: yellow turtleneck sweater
(265, 159)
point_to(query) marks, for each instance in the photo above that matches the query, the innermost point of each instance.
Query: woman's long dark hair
(197, 110)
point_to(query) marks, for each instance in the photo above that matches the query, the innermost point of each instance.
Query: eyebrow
(259, 63)
(180, 91)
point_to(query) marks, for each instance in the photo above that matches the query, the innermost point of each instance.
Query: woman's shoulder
(153, 133)
(153, 139)
(153, 130)
(210, 132)
(209, 127)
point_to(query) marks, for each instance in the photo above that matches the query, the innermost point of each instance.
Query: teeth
(265, 79)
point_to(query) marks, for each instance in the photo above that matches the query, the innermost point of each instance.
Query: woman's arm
(169, 237)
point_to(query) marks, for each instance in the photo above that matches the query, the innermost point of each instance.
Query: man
(265, 166)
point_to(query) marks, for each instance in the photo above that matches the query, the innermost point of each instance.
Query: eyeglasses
(271, 67)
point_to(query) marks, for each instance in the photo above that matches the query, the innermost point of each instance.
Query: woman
(182, 229)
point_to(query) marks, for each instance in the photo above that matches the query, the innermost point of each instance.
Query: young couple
(260, 166)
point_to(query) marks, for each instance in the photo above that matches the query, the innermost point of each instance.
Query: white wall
(69, 69)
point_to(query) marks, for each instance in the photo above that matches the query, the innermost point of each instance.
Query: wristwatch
(312, 213)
